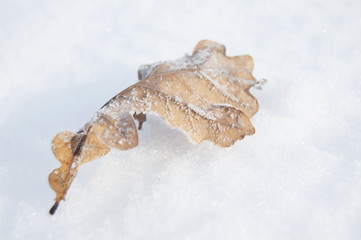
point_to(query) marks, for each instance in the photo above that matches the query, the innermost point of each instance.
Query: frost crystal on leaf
(205, 95)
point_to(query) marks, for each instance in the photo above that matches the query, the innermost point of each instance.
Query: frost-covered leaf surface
(206, 95)
(215, 108)
(299, 177)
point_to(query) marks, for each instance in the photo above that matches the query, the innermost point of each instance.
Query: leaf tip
(207, 44)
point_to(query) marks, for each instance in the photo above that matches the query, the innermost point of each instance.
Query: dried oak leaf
(205, 95)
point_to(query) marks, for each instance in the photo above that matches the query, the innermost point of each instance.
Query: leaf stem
(53, 208)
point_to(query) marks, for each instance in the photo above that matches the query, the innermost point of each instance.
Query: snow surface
(298, 177)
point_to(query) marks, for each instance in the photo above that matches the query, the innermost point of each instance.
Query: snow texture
(298, 177)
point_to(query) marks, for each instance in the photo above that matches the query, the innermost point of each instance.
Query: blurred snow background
(298, 177)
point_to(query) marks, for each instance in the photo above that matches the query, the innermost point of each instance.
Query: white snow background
(298, 177)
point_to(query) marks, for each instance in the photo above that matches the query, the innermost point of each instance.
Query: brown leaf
(206, 95)
(61, 146)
